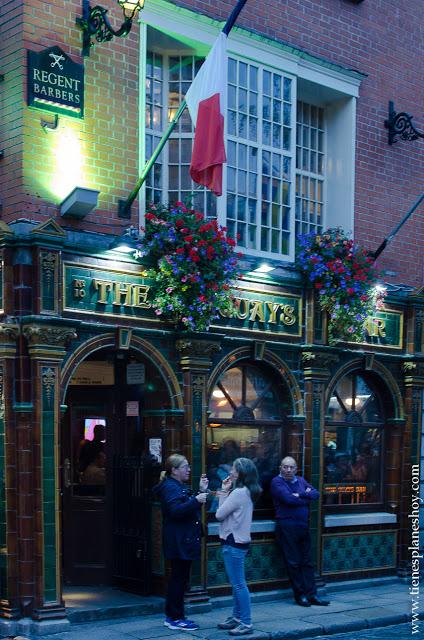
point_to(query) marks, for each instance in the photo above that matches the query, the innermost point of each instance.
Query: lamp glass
(131, 7)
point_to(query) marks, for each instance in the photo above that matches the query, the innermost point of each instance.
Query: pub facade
(97, 390)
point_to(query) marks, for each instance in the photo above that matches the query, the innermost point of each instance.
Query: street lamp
(94, 22)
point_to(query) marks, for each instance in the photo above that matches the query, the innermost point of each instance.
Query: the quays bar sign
(122, 294)
(127, 295)
(55, 82)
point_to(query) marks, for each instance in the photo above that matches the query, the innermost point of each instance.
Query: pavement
(354, 606)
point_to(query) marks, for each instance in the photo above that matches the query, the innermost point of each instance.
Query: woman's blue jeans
(234, 566)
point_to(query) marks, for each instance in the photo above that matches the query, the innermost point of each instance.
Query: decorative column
(407, 454)
(195, 360)
(40, 430)
(316, 368)
(9, 604)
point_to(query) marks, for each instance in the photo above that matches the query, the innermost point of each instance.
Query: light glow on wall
(68, 163)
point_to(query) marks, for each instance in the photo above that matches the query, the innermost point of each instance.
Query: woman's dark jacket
(181, 520)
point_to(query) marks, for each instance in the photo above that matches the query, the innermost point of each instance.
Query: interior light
(217, 393)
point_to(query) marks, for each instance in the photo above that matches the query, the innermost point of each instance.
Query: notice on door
(132, 408)
(155, 448)
(136, 373)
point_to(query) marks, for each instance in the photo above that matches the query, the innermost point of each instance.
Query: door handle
(67, 473)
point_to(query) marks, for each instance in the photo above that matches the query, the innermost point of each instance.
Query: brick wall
(381, 38)
(100, 151)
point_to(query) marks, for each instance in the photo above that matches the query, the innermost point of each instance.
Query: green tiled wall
(359, 552)
(3, 565)
(263, 562)
(49, 462)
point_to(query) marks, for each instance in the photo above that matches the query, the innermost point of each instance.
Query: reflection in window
(353, 444)
(245, 420)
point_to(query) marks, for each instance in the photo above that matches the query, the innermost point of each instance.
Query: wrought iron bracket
(94, 22)
(400, 124)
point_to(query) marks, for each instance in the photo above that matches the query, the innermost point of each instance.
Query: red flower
(188, 239)
(179, 222)
(150, 216)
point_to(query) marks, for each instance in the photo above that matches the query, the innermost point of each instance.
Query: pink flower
(158, 312)
(169, 289)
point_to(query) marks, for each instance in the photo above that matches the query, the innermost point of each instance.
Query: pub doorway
(112, 447)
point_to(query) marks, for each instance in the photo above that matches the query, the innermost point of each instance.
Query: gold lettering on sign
(119, 294)
(287, 315)
(266, 312)
(103, 287)
(242, 315)
(78, 288)
(257, 311)
(375, 327)
(273, 308)
(119, 290)
(140, 296)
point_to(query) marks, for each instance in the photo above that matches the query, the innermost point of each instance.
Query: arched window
(353, 443)
(246, 415)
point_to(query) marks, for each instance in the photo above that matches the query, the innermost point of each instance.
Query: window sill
(352, 519)
(258, 526)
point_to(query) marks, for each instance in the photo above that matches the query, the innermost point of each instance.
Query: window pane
(352, 465)
(309, 163)
(246, 396)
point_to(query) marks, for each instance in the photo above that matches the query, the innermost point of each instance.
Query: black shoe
(318, 601)
(303, 601)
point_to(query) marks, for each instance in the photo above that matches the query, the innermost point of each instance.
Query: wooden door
(86, 487)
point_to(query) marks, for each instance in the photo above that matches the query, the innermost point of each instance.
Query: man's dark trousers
(295, 544)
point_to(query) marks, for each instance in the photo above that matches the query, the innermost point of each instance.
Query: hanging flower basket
(195, 266)
(345, 280)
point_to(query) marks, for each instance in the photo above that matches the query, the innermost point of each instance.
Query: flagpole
(391, 235)
(125, 205)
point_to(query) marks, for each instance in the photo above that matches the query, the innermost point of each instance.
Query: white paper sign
(132, 408)
(155, 448)
(136, 373)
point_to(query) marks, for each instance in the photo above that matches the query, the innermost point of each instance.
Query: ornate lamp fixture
(94, 22)
(400, 124)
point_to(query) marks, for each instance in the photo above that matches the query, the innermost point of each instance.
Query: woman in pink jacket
(238, 493)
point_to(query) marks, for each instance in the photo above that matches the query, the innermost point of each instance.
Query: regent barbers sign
(55, 82)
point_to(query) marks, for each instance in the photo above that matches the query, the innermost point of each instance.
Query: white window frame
(333, 87)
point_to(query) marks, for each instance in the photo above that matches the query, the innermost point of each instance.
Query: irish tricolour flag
(206, 101)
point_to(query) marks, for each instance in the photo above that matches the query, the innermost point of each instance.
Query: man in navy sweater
(292, 495)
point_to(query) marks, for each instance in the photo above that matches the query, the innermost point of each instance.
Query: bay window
(290, 135)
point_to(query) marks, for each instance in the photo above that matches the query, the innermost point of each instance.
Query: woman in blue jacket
(181, 534)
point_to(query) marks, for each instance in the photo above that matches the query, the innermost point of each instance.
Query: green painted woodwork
(356, 552)
(48, 479)
(385, 328)
(268, 311)
(106, 293)
(1, 281)
(49, 282)
(3, 549)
